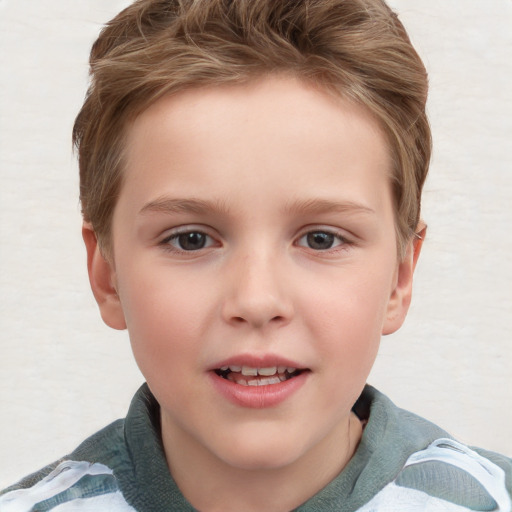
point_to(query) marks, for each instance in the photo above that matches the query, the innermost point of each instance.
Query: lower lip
(258, 397)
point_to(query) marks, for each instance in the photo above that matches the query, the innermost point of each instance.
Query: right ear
(102, 277)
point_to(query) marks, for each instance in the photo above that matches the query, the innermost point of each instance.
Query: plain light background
(64, 375)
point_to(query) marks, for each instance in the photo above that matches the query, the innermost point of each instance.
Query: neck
(212, 485)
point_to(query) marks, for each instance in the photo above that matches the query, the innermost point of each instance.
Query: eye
(191, 240)
(321, 240)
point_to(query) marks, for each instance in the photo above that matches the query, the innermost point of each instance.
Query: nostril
(256, 310)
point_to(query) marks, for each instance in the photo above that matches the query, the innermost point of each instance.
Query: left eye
(320, 240)
(189, 241)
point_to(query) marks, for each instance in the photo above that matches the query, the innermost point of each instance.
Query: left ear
(401, 295)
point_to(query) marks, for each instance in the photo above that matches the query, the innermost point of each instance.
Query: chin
(269, 453)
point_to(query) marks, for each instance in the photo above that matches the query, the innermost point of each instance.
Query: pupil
(192, 241)
(320, 241)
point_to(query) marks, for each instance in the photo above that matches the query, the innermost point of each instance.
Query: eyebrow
(320, 206)
(171, 205)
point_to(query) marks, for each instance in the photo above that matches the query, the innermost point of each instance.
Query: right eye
(191, 240)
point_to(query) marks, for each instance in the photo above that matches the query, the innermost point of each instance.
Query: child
(251, 176)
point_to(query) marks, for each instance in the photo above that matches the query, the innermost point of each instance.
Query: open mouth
(249, 376)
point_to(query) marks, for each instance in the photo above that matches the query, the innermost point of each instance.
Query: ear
(400, 299)
(103, 278)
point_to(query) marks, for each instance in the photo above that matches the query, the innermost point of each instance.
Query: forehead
(277, 131)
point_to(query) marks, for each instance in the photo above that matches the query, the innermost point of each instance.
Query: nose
(257, 295)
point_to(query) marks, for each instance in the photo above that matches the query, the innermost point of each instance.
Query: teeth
(264, 382)
(267, 371)
(260, 380)
(248, 371)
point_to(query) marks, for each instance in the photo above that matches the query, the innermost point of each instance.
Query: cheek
(162, 317)
(347, 319)
(353, 301)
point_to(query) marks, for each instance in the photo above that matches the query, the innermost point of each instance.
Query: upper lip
(258, 361)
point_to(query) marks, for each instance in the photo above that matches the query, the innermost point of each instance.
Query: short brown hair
(356, 48)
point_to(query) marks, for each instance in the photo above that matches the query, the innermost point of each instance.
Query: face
(255, 266)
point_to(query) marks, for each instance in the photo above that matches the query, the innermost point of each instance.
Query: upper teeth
(266, 372)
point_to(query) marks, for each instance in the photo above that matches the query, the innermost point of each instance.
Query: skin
(255, 168)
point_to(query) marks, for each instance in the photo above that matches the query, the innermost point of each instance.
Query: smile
(251, 376)
(258, 382)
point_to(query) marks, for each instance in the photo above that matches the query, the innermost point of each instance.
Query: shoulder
(448, 476)
(88, 474)
(120, 468)
(72, 485)
(431, 471)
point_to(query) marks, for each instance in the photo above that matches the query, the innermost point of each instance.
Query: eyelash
(167, 241)
(340, 240)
